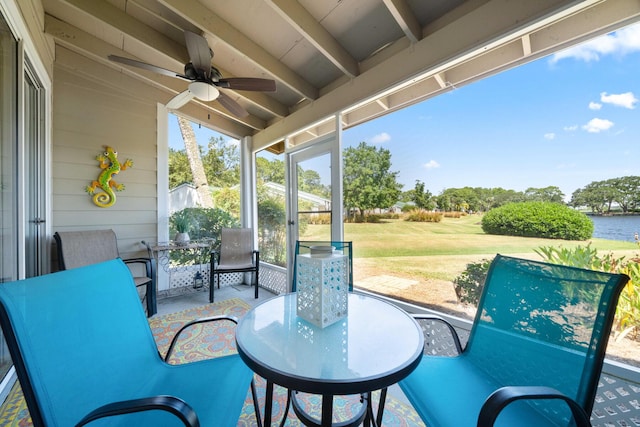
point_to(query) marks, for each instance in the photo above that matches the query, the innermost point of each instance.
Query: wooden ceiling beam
(406, 19)
(300, 19)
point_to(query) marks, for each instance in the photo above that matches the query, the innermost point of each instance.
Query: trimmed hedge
(538, 219)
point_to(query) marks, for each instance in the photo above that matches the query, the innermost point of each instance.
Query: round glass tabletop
(375, 346)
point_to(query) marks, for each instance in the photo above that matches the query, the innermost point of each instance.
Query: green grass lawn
(432, 255)
(442, 250)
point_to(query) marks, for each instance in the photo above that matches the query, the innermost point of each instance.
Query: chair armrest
(502, 397)
(452, 330)
(145, 261)
(149, 264)
(171, 404)
(195, 322)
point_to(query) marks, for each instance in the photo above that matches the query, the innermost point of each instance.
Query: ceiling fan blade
(248, 83)
(180, 99)
(199, 52)
(145, 66)
(230, 104)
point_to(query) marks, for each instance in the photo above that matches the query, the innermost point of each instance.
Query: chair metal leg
(212, 282)
(256, 283)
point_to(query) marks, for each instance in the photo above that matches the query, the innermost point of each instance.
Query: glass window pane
(272, 229)
(314, 198)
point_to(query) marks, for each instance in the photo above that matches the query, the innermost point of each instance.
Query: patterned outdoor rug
(217, 339)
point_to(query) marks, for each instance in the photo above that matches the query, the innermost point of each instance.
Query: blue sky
(564, 120)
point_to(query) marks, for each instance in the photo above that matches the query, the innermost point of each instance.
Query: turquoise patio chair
(305, 246)
(84, 353)
(534, 355)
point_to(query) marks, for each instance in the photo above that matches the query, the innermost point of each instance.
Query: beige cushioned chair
(80, 248)
(236, 255)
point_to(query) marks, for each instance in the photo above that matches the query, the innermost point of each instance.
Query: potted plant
(182, 223)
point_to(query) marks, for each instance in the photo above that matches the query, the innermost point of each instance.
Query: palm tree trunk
(197, 169)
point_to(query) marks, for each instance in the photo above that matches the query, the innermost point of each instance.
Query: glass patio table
(375, 346)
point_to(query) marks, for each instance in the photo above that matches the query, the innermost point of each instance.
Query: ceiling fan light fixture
(204, 91)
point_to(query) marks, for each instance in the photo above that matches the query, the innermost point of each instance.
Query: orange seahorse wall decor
(108, 162)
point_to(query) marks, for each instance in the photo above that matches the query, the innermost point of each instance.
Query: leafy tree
(221, 163)
(179, 169)
(270, 170)
(421, 197)
(228, 199)
(628, 192)
(476, 199)
(368, 183)
(501, 196)
(407, 197)
(459, 199)
(598, 195)
(548, 194)
(310, 183)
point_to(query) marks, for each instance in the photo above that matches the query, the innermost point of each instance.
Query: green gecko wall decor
(108, 162)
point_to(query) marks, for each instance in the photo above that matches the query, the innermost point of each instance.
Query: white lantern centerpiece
(322, 285)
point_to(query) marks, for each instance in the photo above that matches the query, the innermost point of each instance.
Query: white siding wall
(89, 113)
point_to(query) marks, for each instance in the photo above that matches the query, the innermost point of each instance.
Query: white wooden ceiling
(363, 58)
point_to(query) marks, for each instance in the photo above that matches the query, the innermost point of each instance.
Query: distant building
(186, 196)
(183, 196)
(318, 203)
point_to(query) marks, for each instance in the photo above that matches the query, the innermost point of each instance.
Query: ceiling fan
(206, 80)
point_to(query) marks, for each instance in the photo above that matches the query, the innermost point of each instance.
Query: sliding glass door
(8, 169)
(34, 175)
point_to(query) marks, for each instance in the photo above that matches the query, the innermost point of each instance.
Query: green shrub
(319, 219)
(409, 207)
(203, 225)
(468, 285)
(538, 219)
(627, 319)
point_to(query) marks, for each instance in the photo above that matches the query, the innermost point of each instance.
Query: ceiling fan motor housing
(204, 91)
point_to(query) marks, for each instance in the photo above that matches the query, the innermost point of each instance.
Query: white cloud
(626, 100)
(380, 138)
(597, 125)
(571, 128)
(595, 105)
(431, 164)
(622, 42)
(232, 142)
(550, 136)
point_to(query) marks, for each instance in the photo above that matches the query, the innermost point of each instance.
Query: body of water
(616, 227)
